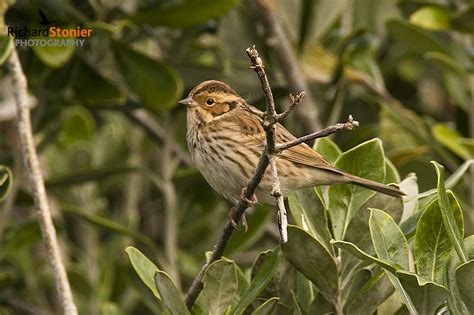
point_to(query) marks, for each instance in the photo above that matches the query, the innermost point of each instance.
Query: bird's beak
(189, 102)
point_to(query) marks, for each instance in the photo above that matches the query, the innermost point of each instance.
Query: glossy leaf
(183, 13)
(6, 46)
(328, 149)
(309, 214)
(465, 283)
(454, 233)
(259, 281)
(93, 89)
(267, 308)
(389, 242)
(144, 267)
(357, 252)
(433, 18)
(219, 286)
(156, 83)
(6, 181)
(426, 296)
(456, 303)
(170, 295)
(312, 259)
(432, 245)
(365, 160)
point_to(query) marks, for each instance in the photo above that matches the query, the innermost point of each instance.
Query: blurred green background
(111, 136)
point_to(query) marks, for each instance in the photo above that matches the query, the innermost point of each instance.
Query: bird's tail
(391, 190)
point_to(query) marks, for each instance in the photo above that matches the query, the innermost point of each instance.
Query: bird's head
(211, 99)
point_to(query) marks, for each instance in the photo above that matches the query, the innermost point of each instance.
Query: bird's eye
(210, 101)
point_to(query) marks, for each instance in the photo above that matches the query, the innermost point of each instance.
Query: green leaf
(156, 83)
(54, 56)
(78, 125)
(183, 13)
(328, 149)
(456, 303)
(92, 89)
(145, 269)
(6, 181)
(432, 245)
(451, 139)
(171, 297)
(267, 308)
(309, 214)
(391, 173)
(464, 20)
(365, 160)
(455, 235)
(6, 46)
(433, 18)
(312, 259)
(357, 252)
(426, 296)
(389, 242)
(366, 299)
(219, 286)
(465, 283)
(326, 13)
(415, 38)
(259, 282)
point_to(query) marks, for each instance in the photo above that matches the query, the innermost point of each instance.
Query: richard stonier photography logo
(49, 34)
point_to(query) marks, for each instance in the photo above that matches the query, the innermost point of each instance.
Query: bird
(226, 139)
(44, 20)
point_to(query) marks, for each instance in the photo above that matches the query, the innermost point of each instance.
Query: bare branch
(349, 125)
(295, 100)
(35, 178)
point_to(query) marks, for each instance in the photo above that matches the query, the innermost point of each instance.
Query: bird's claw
(243, 219)
(249, 202)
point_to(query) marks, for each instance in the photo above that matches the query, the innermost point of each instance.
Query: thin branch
(349, 125)
(270, 119)
(35, 178)
(295, 100)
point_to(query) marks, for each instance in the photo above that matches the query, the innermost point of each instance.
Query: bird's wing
(249, 125)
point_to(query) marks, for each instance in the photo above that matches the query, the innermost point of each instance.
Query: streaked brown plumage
(226, 140)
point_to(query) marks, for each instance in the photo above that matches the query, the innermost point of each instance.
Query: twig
(35, 178)
(307, 113)
(349, 125)
(270, 119)
(268, 156)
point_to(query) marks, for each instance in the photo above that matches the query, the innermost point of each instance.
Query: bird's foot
(243, 219)
(249, 202)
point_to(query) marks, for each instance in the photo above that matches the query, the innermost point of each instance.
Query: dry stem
(35, 178)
